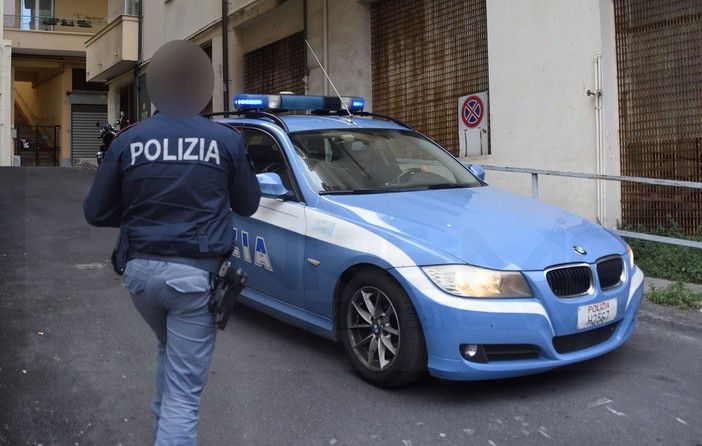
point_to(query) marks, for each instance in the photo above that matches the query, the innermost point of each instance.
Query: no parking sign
(473, 124)
(472, 111)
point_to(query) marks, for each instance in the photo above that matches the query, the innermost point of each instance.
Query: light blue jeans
(172, 298)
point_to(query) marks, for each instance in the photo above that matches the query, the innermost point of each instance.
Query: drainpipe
(306, 78)
(140, 57)
(599, 138)
(225, 55)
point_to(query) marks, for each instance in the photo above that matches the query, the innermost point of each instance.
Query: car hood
(482, 226)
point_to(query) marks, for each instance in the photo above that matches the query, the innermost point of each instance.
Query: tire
(380, 330)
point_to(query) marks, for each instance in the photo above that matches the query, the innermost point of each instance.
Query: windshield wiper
(357, 191)
(446, 186)
(435, 187)
(393, 189)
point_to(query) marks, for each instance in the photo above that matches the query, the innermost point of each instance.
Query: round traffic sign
(472, 111)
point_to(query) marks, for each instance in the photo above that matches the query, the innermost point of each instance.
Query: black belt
(209, 264)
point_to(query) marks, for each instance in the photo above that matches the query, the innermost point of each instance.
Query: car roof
(306, 122)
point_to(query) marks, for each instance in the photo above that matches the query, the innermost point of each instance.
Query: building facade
(52, 109)
(566, 85)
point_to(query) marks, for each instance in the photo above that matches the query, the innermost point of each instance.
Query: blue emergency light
(246, 102)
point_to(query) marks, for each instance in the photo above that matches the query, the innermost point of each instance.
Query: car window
(377, 161)
(267, 156)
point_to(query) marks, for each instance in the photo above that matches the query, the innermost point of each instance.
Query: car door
(270, 245)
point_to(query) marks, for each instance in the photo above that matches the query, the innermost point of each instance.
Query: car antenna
(343, 104)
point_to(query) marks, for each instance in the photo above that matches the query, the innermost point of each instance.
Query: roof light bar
(245, 102)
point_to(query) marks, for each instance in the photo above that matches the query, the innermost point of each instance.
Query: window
(126, 104)
(377, 161)
(132, 7)
(267, 157)
(35, 13)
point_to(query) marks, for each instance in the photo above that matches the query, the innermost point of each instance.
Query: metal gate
(659, 54)
(426, 54)
(38, 145)
(277, 67)
(84, 132)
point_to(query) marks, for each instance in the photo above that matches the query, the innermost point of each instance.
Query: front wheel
(381, 331)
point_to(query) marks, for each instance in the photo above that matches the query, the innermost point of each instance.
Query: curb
(663, 283)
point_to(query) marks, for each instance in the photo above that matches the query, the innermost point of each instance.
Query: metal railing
(38, 144)
(65, 24)
(591, 176)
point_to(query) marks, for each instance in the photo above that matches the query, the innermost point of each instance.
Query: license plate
(597, 314)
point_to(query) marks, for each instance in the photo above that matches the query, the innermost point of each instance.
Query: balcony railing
(63, 24)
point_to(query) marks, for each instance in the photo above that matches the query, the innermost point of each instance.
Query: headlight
(630, 254)
(471, 281)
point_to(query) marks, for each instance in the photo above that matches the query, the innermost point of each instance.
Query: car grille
(576, 280)
(570, 281)
(510, 352)
(581, 341)
(610, 272)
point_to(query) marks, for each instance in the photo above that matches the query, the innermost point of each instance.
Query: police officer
(171, 183)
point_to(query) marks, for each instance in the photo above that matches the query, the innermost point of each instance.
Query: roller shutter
(84, 133)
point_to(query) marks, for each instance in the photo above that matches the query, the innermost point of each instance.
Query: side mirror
(271, 185)
(477, 171)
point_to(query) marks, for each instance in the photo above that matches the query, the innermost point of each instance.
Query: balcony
(85, 25)
(58, 36)
(114, 50)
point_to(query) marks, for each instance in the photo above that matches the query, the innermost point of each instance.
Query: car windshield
(377, 160)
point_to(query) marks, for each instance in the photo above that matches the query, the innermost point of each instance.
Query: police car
(372, 234)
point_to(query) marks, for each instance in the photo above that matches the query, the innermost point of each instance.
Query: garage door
(84, 133)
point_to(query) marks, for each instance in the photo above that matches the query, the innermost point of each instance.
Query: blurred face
(180, 79)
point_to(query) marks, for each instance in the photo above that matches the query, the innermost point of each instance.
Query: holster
(226, 285)
(120, 255)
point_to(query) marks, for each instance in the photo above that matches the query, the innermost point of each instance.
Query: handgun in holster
(120, 255)
(226, 285)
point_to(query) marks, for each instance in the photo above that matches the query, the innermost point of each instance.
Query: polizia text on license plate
(597, 313)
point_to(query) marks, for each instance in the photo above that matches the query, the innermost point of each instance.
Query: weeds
(665, 261)
(676, 295)
(672, 262)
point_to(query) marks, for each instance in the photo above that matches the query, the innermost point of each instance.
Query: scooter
(107, 134)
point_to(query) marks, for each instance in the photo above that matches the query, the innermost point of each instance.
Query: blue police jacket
(172, 185)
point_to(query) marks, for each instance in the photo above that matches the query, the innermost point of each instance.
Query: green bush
(666, 261)
(675, 294)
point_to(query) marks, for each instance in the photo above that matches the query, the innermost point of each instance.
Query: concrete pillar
(339, 32)
(6, 147)
(236, 62)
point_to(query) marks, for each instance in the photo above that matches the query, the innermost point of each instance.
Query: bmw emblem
(580, 250)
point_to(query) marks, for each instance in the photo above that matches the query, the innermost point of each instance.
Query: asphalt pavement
(77, 362)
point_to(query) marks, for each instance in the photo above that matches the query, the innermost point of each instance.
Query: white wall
(176, 20)
(338, 31)
(6, 147)
(340, 35)
(541, 65)
(276, 24)
(10, 6)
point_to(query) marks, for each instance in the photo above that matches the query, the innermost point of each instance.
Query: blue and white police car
(370, 233)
